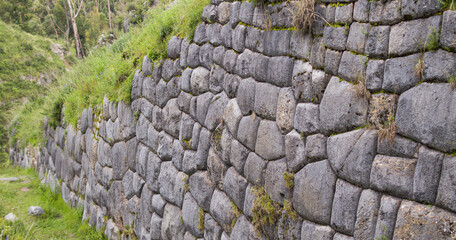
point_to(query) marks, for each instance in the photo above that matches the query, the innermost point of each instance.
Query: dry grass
(360, 86)
(419, 68)
(304, 14)
(382, 110)
(387, 132)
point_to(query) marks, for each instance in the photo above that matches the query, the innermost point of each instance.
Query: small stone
(307, 118)
(316, 147)
(295, 151)
(266, 97)
(254, 168)
(10, 217)
(234, 186)
(270, 141)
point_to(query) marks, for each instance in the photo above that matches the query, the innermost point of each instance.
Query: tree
(73, 15)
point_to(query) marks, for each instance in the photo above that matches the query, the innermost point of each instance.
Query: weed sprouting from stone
(236, 212)
(452, 82)
(265, 211)
(304, 14)
(201, 220)
(289, 180)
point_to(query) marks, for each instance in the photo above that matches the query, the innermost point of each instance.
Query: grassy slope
(109, 71)
(59, 220)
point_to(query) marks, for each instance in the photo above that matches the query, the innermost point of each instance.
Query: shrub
(304, 14)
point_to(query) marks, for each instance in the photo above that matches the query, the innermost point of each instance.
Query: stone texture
(420, 29)
(424, 102)
(393, 175)
(448, 30)
(216, 168)
(238, 156)
(351, 155)
(412, 9)
(174, 47)
(341, 109)
(361, 11)
(172, 226)
(311, 230)
(385, 12)
(366, 215)
(314, 187)
(266, 97)
(280, 71)
(206, 55)
(212, 230)
(352, 67)
(427, 172)
(199, 82)
(234, 186)
(270, 141)
(277, 42)
(295, 151)
(254, 168)
(158, 204)
(274, 182)
(439, 65)
(243, 229)
(301, 45)
(190, 215)
(231, 84)
(244, 64)
(171, 184)
(215, 111)
(400, 74)
(221, 209)
(201, 186)
(332, 60)
(387, 216)
(377, 42)
(307, 119)
(400, 147)
(357, 37)
(447, 188)
(344, 207)
(423, 222)
(335, 37)
(374, 75)
(317, 53)
(344, 14)
(232, 116)
(213, 32)
(216, 79)
(238, 38)
(247, 132)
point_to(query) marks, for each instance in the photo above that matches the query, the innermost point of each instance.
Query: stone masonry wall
(357, 112)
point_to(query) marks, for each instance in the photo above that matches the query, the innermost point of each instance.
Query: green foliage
(448, 4)
(201, 220)
(433, 40)
(59, 219)
(289, 180)
(265, 211)
(287, 206)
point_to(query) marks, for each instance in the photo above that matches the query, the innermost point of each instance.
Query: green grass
(109, 71)
(59, 221)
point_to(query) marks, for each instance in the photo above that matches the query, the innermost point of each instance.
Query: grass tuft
(303, 15)
(265, 211)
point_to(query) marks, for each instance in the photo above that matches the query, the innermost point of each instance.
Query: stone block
(201, 186)
(199, 82)
(234, 186)
(254, 168)
(274, 183)
(226, 33)
(238, 156)
(447, 191)
(286, 106)
(277, 42)
(295, 151)
(190, 215)
(412, 9)
(231, 84)
(153, 172)
(171, 184)
(319, 22)
(221, 209)
(254, 39)
(385, 12)
(317, 53)
(307, 119)
(266, 97)
(243, 229)
(280, 70)
(214, 35)
(448, 36)
(421, 30)
(400, 73)
(193, 55)
(165, 146)
(223, 12)
(314, 187)
(232, 116)
(341, 109)
(386, 218)
(244, 64)
(229, 61)
(374, 75)
(368, 211)
(335, 37)
(308, 85)
(351, 155)
(424, 102)
(301, 45)
(206, 55)
(439, 66)
(316, 147)
(427, 175)
(377, 42)
(246, 12)
(345, 205)
(158, 204)
(270, 141)
(234, 14)
(238, 38)
(184, 53)
(357, 37)
(361, 11)
(216, 168)
(352, 67)
(173, 47)
(311, 230)
(215, 111)
(172, 226)
(393, 175)
(400, 147)
(210, 13)
(344, 14)
(332, 60)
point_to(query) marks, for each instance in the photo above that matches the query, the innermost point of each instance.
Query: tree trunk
(109, 15)
(67, 30)
(73, 16)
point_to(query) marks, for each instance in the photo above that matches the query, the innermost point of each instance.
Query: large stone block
(424, 222)
(439, 66)
(190, 215)
(277, 42)
(386, 218)
(314, 187)
(385, 12)
(420, 29)
(308, 84)
(317, 53)
(422, 103)
(266, 97)
(286, 106)
(172, 184)
(244, 64)
(247, 132)
(377, 42)
(193, 55)
(341, 108)
(212, 229)
(232, 116)
(246, 12)
(427, 175)
(335, 37)
(366, 215)
(119, 160)
(301, 45)
(332, 61)
(448, 36)
(215, 111)
(307, 119)
(419, 9)
(351, 155)
(238, 38)
(270, 141)
(221, 210)
(172, 226)
(393, 175)
(361, 11)
(345, 205)
(374, 75)
(357, 37)
(206, 55)
(174, 47)
(153, 172)
(254, 39)
(447, 188)
(400, 73)
(231, 84)
(352, 67)
(344, 14)
(275, 185)
(254, 168)
(201, 186)
(234, 186)
(216, 168)
(295, 151)
(199, 82)
(280, 70)
(311, 230)
(202, 105)
(238, 156)
(229, 61)
(214, 35)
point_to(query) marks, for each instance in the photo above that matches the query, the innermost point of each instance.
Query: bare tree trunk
(73, 15)
(109, 15)
(67, 30)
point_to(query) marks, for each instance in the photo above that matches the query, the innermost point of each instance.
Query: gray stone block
(193, 55)
(238, 156)
(286, 106)
(185, 80)
(266, 97)
(221, 209)
(387, 216)
(215, 111)
(216, 168)
(184, 53)
(314, 187)
(232, 116)
(246, 12)
(172, 226)
(173, 47)
(223, 12)
(393, 175)
(165, 146)
(400, 74)
(158, 204)
(415, 219)
(260, 19)
(439, 66)
(448, 33)
(225, 144)
(247, 132)
(244, 64)
(178, 155)
(335, 37)
(419, 104)
(374, 75)
(249, 198)
(157, 118)
(332, 60)
(243, 229)
(307, 119)
(229, 61)
(344, 14)
(341, 109)
(231, 84)
(357, 37)
(308, 85)
(385, 12)
(339, 236)
(377, 42)
(361, 11)
(213, 32)
(169, 70)
(157, 71)
(311, 230)
(427, 174)
(234, 186)
(163, 96)
(317, 53)
(136, 86)
(420, 29)
(274, 183)
(209, 14)
(254, 168)
(238, 37)
(216, 78)
(172, 116)
(201, 186)
(270, 141)
(212, 229)
(226, 33)
(147, 66)
(447, 191)
(246, 96)
(219, 54)
(234, 14)
(345, 205)
(319, 22)
(352, 67)
(183, 101)
(119, 160)
(172, 184)
(280, 70)
(400, 147)
(190, 213)
(277, 42)
(281, 15)
(254, 39)
(316, 147)
(199, 82)
(330, 13)
(153, 172)
(155, 226)
(351, 155)
(366, 215)
(301, 45)
(205, 55)
(295, 151)
(413, 9)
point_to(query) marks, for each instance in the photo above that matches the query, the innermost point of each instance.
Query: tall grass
(109, 71)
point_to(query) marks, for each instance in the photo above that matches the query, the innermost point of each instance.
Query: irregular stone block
(439, 65)
(234, 186)
(274, 182)
(246, 12)
(212, 229)
(366, 215)
(341, 109)
(231, 84)
(193, 55)
(270, 143)
(387, 13)
(374, 75)
(119, 160)
(171, 184)
(234, 14)
(229, 62)
(335, 37)
(165, 146)
(254, 39)
(221, 209)
(172, 226)
(420, 29)
(216, 168)
(352, 67)
(254, 168)
(345, 205)
(215, 111)
(238, 156)
(400, 147)
(377, 41)
(257, 68)
(218, 55)
(244, 64)
(202, 105)
(393, 175)
(205, 55)
(427, 174)
(223, 12)
(415, 219)
(243, 229)
(210, 13)
(332, 60)
(361, 11)
(184, 53)
(386, 218)
(247, 132)
(301, 45)
(201, 187)
(344, 14)
(238, 38)
(448, 33)
(153, 172)
(421, 103)
(447, 191)
(317, 53)
(277, 42)
(174, 47)
(307, 118)
(308, 85)
(136, 85)
(295, 151)
(190, 215)
(266, 97)
(158, 204)
(280, 70)
(232, 116)
(199, 81)
(314, 187)
(412, 9)
(213, 32)
(316, 147)
(311, 230)
(319, 22)
(286, 106)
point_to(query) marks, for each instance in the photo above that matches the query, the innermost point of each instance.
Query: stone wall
(358, 115)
